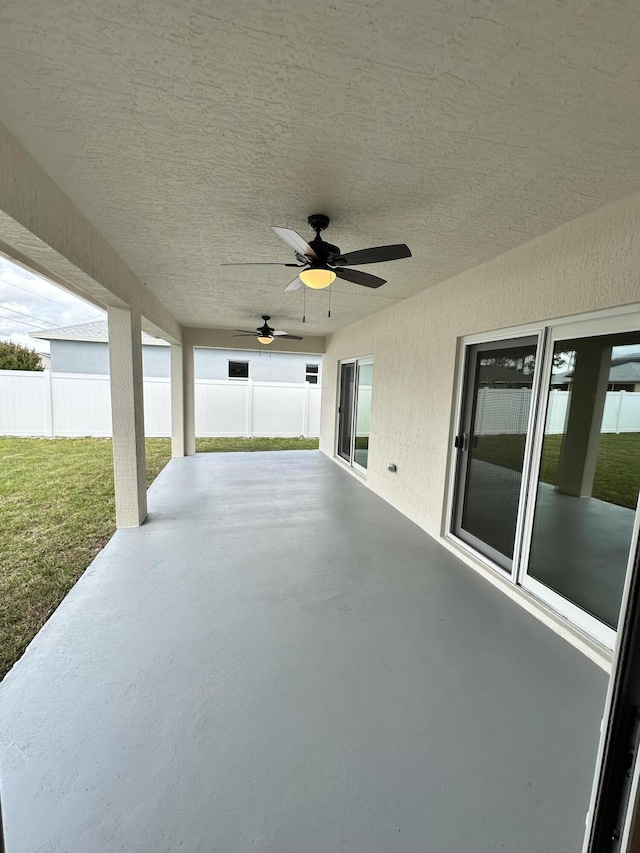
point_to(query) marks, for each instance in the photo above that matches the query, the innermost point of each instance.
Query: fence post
(480, 405)
(48, 404)
(249, 429)
(619, 415)
(305, 410)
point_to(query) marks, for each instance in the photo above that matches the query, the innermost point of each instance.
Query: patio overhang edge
(42, 230)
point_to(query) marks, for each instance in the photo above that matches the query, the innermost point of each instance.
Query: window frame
(312, 374)
(507, 567)
(231, 361)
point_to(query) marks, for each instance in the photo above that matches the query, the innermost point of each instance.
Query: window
(546, 475)
(238, 370)
(621, 386)
(312, 374)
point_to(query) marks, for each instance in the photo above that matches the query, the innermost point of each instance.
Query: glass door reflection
(345, 409)
(363, 410)
(491, 445)
(354, 410)
(589, 475)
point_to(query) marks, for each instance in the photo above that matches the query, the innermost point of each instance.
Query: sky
(29, 303)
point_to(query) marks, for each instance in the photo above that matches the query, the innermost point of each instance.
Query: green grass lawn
(617, 472)
(57, 512)
(228, 445)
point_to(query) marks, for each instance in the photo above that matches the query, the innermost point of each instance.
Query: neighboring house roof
(626, 359)
(629, 372)
(96, 331)
(622, 370)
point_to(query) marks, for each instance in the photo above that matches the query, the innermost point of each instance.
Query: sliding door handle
(462, 442)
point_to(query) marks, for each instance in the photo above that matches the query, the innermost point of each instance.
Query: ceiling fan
(265, 334)
(321, 263)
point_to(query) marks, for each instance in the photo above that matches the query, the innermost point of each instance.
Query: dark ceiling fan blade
(359, 277)
(295, 284)
(285, 335)
(293, 239)
(374, 255)
(257, 264)
(246, 335)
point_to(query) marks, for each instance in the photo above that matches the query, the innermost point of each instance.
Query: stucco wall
(93, 357)
(589, 264)
(265, 366)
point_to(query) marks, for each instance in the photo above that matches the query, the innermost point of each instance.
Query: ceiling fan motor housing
(325, 252)
(318, 221)
(265, 330)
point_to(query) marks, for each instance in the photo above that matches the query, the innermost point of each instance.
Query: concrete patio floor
(279, 661)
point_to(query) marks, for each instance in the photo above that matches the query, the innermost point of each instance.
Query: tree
(16, 357)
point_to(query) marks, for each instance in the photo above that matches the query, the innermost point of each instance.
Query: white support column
(127, 414)
(189, 398)
(577, 463)
(177, 402)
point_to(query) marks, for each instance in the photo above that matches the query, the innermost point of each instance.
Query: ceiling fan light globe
(317, 278)
(263, 339)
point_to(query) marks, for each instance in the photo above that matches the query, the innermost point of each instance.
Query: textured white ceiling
(184, 129)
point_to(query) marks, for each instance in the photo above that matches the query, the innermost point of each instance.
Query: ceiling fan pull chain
(304, 305)
(329, 311)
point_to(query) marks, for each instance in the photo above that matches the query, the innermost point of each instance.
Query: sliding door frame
(357, 362)
(473, 352)
(505, 337)
(613, 819)
(583, 620)
(620, 320)
(339, 413)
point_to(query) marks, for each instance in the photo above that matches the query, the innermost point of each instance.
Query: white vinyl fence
(70, 404)
(503, 411)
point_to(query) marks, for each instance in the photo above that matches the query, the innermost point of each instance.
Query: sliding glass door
(547, 471)
(587, 478)
(356, 382)
(491, 444)
(363, 410)
(345, 409)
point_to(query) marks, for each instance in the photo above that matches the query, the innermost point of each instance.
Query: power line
(22, 314)
(38, 296)
(11, 320)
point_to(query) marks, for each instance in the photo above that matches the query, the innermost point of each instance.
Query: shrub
(18, 357)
